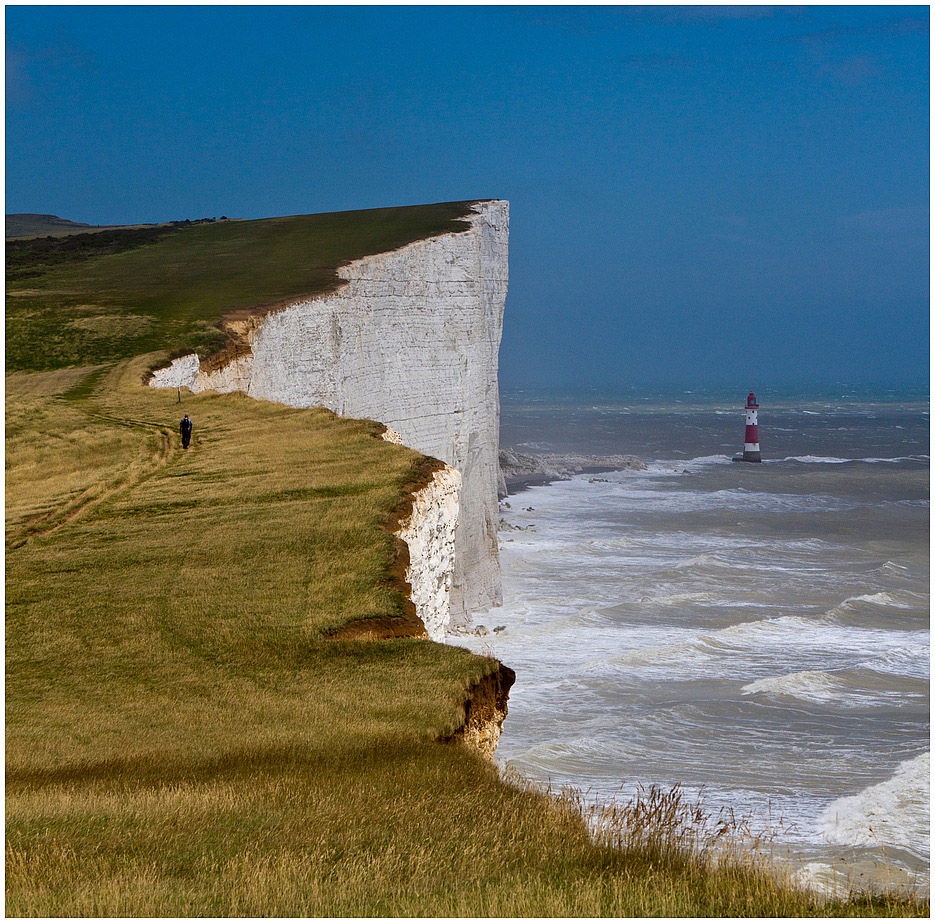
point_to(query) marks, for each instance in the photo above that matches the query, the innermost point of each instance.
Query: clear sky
(699, 195)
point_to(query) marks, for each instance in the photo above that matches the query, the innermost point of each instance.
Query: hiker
(185, 428)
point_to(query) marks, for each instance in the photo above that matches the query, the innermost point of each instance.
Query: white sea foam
(899, 612)
(810, 685)
(707, 560)
(843, 878)
(671, 466)
(910, 661)
(634, 492)
(695, 622)
(755, 642)
(889, 813)
(676, 599)
(881, 599)
(896, 599)
(833, 460)
(808, 637)
(802, 630)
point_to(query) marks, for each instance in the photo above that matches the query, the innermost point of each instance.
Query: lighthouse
(751, 440)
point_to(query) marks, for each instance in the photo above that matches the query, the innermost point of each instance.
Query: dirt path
(157, 450)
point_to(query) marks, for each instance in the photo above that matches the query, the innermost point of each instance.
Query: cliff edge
(410, 338)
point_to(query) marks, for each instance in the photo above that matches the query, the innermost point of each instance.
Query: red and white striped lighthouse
(751, 440)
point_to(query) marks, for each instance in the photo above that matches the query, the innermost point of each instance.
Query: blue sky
(699, 195)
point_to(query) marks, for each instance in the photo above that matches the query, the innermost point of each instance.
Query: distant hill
(27, 225)
(23, 225)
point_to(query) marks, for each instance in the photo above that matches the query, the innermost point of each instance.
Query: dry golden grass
(179, 580)
(183, 738)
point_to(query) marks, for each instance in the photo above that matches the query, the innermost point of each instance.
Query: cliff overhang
(484, 709)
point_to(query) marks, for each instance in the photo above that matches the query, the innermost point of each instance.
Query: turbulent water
(758, 634)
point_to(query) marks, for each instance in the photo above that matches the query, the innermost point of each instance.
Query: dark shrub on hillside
(29, 257)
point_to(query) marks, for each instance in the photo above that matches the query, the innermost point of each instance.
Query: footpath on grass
(184, 736)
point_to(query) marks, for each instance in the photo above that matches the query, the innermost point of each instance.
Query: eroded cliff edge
(484, 708)
(411, 339)
(423, 557)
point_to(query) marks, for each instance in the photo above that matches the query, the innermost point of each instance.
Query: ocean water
(757, 634)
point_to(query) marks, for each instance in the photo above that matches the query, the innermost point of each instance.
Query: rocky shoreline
(519, 471)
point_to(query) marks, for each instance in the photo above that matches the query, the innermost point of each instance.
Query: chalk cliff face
(411, 340)
(429, 531)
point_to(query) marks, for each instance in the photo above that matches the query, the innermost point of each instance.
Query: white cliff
(409, 339)
(429, 531)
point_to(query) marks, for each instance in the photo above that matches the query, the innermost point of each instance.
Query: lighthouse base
(748, 457)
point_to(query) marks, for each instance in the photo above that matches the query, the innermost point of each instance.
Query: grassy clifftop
(184, 736)
(168, 622)
(171, 286)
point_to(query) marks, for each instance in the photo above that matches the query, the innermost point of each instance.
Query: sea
(755, 634)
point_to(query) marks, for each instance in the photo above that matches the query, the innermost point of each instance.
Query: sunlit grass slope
(170, 294)
(184, 735)
(184, 739)
(126, 552)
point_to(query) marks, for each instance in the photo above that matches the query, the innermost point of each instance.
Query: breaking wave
(892, 812)
(881, 599)
(759, 631)
(810, 685)
(677, 466)
(832, 460)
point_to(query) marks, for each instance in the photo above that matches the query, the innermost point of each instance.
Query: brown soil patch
(485, 707)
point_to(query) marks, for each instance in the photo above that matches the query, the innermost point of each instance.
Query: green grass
(34, 257)
(183, 737)
(178, 288)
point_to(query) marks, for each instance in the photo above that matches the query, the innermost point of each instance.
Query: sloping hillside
(26, 224)
(171, 292)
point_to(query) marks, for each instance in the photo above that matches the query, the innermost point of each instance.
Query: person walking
(185, 428)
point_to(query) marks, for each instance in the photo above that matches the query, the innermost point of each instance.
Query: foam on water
(884, 599)
(676, 599)
(856, 687)
(811, 685)
(756, 631)
(833, 460)
(902, 661)
(894, 812)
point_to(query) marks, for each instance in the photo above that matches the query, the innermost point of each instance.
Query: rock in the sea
(519, 467)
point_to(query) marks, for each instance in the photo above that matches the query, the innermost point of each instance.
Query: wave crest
(810, 685)
(833, 460)
(892, 812)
